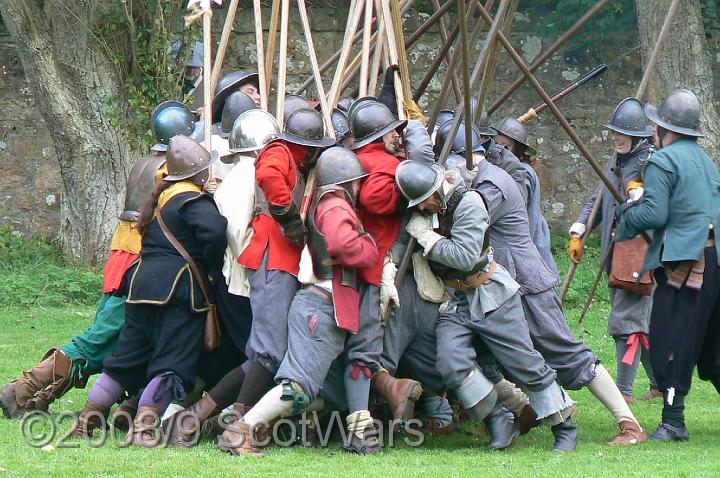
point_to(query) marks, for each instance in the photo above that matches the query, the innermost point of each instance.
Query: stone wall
(29, 176)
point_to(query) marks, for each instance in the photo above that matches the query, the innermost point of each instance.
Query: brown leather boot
(630, 434)
(431, 426)
(238, 439)
(37, 388)
(527, 419)
(185, 426)
(146, 431)
(91, 418)
(400, 393)
(652, 394)
(629, 399)
(125, 413)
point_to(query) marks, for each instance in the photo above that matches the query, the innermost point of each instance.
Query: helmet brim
(314, 143)
(214, 156)
(221, 96)
(439, 178)
(394, 125)
(653, 114)
(159, 147)
(635, 134)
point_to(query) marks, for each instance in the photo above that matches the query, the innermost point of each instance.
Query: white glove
(420, 227)
(635, 194)
(389, 297)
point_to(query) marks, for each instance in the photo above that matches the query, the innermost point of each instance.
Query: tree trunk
(683, 62)
(71, 76)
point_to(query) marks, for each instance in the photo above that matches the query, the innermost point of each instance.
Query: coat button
(635, 275)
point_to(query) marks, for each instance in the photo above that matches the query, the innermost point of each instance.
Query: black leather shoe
(667, 432)
(502, 428)
(565, 436)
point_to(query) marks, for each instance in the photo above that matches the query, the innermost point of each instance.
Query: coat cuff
(578, 228)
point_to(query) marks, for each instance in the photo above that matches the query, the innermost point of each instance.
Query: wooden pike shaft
(282, 63)
(353, 19)
(466, 84)
(445, 38)
(207, 80)
(401, 53)
(378, 53)
(598, 277)
(393, 54)
(224, 40)
(656, 50)
(259, 44)
(272, 37)
(441, 56)
(365, 64)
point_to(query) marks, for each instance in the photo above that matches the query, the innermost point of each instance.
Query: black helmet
(345, 103)
(514, 129)
(186, 157)
(305, 127)
(338, 165)
(359, 102)
(169, 119)
(227, 84)
(293, 103)
(371, 121)
(418, 180)
(629, 119)
(235, 105)
(340, 124)
(458, 146)
(680, 113)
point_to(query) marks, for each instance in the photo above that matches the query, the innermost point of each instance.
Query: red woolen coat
(378, 203)
(276, 173)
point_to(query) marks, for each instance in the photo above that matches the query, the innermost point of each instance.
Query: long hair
(147, 212)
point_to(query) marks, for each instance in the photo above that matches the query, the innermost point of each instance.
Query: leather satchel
(211, 338)
(627, 262)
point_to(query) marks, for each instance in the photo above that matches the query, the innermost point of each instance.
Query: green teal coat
(681, 204)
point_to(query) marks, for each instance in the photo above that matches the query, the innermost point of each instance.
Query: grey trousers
(271, 293)
(503, 331)
(626, 373)
(365, 347)
(409, 340)
(314, 342)
(571, 358)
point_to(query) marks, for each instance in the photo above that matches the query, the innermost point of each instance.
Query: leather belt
(472, 282)
(319, 291)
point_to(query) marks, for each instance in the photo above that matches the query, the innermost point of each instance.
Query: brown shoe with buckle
(630, 434)
(91, 418)
(629, 399)
(146, 430)
(238, 439)
(432, 426)
(186, 426)
(400, 393)
(652, 394)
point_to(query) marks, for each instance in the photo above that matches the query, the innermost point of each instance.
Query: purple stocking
(105, 391)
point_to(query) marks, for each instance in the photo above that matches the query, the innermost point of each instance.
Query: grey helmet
(198, 56)
(359, 102)
(344, 104)
(140, 185)
(680, 113)
(186, 157)
(459, 146)
(444, 116)
(252, 131)
(629, 119)
(235, 105)
(293, 103)
(305, 127)
(227, 84)
(340, 124)
(168, 119)
(338, 165)
(484, 125)
(371, 121)
(418, 180)
(514, 129)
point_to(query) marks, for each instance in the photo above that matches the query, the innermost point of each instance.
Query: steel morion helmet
(305, 127)
(235, 105)
(359, 102)
(338, 165)
(418, 180)
(294, 103)
(140, 185)
(484, 125)
(629, 119)
(227, 84)
(459, 145)
(170, 118)
(252, 131)
(372, 121)
(680, 113)
(340, 124)
(514, 129)
(443, 117)
(186, 157)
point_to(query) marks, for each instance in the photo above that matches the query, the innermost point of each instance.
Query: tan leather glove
(413, 112)
(575, 249)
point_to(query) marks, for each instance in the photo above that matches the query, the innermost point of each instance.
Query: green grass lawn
(26, 333)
